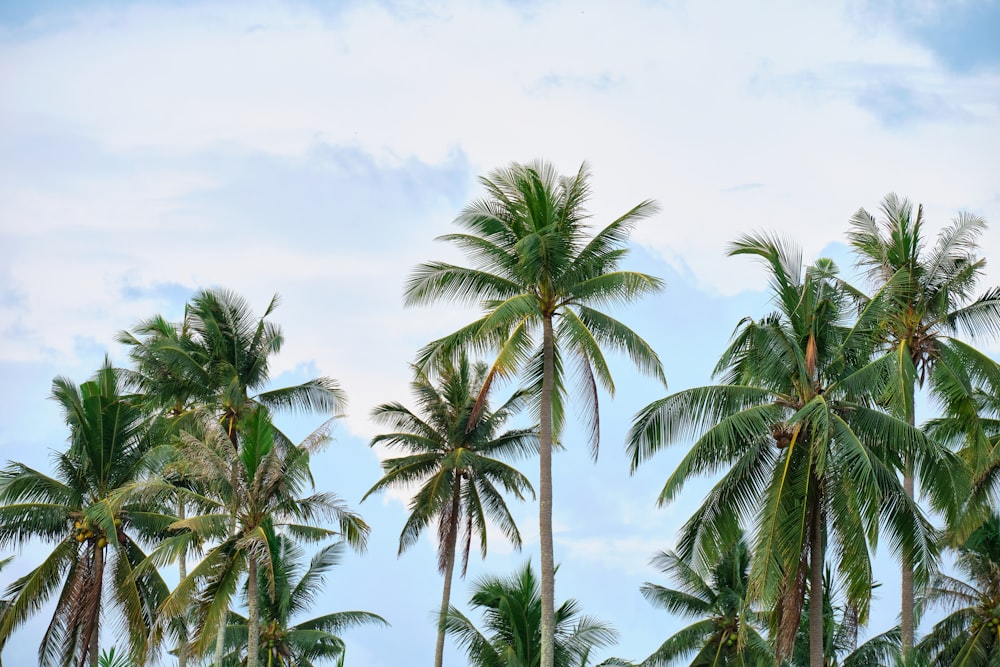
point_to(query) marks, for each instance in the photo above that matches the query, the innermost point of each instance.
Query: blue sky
(151, 149)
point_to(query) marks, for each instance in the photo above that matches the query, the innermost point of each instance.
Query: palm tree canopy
(511, 637)
(455, 437)
(933, 288)
(727, 627)
(257, 487)
(791, 427)
(970, 635)
(929, 297)
(286, 640)
(533, 258)
(93, 530)
(218, 358)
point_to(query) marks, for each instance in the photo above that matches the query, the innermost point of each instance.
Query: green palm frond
(800, 432)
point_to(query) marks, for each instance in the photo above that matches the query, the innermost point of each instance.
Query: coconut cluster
(85, 531)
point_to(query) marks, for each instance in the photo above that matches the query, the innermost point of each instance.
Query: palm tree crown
(291, 591)
(218, 359)
(256, 491)
(512, 610)
(728, 626)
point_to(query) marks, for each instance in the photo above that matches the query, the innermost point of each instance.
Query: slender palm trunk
(253, 614)
(182, 571)
(906, 606)
(449, 568)
(816, 643)
(906, 581)
(93, 641)
(545, 496)
(220, 639)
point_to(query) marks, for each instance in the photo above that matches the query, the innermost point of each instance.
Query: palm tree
(295, 590)
(79, 510)
(807, 460)
(536, 271)
(449, 440)
(218, 360)
(214, 362)
(970, 635)
(931, 298)
(256, 489)
(727, 629)
(512, 610)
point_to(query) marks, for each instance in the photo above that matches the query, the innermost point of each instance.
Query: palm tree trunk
(182, 571)
(906, 606)
(449, 567)
(253, 609)
(220, 639)
(545, 496)
(94, 648)
(816, 643)
(906, 580)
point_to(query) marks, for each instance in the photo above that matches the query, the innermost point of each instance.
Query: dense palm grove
(175, 461)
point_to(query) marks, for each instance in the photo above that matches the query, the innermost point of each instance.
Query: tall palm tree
(95, 535)
(931, 294)
(806, 459)
(256, 490)
(539, 278)
(512, 609)
(448, 441)
(727, 629)
(970, 635)
(295, 589)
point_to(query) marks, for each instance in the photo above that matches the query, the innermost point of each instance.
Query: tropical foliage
(512, 609)
(95, 537)
(295, 589)
(808, 429)
(970, 635)
(930, 297)
(256, 491)
(208, 372)
(805, 456)
(450, 446)
(539, 278)
(727, 630)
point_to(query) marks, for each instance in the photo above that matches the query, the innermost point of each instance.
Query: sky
(316, 149)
